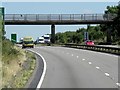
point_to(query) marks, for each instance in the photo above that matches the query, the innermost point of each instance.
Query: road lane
(72, 68)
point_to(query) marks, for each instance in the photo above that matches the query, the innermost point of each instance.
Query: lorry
(28, 42)
(46, 39)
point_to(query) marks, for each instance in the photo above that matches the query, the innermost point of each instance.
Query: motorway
(76, 68)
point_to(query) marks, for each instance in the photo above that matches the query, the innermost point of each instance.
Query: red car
(89, 42)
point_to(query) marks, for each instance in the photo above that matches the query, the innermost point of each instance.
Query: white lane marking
(107, 74)
(72, 54)
(89, 62)
(83, 59)
(93, 52)
(107, 54)
(97, 67)
(118, 84)
(77, 56)
(44, 69)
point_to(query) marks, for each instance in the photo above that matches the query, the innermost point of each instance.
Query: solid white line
(72, 54)
(44, 70)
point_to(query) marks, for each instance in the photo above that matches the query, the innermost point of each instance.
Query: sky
(49, 8)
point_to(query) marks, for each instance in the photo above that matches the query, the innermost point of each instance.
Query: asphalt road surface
(76, 68)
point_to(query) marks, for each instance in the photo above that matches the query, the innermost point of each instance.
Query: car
(89, 42)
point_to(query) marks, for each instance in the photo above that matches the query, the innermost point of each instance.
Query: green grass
(9, 52)
(14, 75)
(26, 73)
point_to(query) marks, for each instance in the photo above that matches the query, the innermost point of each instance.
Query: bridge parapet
(57, 19)
(46, 17)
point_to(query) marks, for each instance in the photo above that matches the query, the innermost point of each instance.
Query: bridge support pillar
(109, 42)
(52, 33)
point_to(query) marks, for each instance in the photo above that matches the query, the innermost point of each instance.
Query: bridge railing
(60, 17)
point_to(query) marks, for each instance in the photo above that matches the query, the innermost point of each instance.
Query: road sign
(14, 38)
(119, 3)
(86, 36)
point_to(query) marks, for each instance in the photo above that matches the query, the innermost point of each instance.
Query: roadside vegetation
(96, 33)
(0, 52)
(17, 64)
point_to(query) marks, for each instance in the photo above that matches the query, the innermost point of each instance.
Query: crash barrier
(112, 50)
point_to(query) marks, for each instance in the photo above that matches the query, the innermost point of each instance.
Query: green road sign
(14, 38)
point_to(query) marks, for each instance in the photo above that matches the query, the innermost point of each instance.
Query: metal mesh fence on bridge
(46, 17)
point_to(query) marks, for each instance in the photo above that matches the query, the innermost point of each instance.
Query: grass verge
(17, 68)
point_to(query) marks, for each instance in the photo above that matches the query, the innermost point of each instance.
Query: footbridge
(57, 19)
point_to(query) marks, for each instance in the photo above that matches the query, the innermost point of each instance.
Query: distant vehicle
(89, 42)
(21, 41)
(40, 40)
(27, 42)
(46, 39)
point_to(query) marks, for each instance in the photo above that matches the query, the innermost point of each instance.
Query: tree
(117, 22)
(112, 10)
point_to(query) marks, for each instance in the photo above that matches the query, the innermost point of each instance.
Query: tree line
(97, 33)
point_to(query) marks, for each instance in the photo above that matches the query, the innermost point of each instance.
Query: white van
(40, 40)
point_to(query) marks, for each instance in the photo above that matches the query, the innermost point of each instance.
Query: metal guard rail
(112, 50)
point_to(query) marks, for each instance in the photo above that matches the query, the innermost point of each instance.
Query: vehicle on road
(46, 39)
(40, 40)
(89, 42)
(28, 42)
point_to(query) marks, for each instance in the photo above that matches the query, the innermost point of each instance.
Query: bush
(8, 51)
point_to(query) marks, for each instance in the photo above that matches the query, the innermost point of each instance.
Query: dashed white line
(89, 62)
(100, 53)
(107, 74)
(72, 54)
(97, 67)
(118, 84)
(83, 59)
(77, 56)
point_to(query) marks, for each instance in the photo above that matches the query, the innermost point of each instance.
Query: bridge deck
(60, 19)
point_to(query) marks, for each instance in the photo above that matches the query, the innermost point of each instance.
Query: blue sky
(50, 8)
